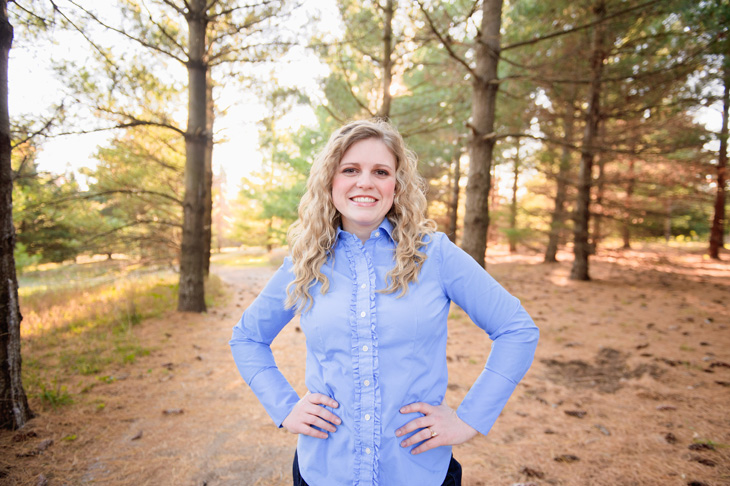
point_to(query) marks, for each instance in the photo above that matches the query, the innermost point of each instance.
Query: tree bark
(191, 296)
(484, 97)
(717, 232)
(455, 191)
(561, 192)
(208, 223)
(626, 225)
(384, 111)
(597, 233)
(513, 203)
(14, 409)
(581, 248)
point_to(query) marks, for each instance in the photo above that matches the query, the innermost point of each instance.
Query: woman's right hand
(308, 412)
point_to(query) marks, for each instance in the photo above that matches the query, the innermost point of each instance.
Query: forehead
(370, 151)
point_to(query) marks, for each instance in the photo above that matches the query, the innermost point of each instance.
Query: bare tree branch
(162, 28)
(139, 41)
(445, 43)
(578, 28)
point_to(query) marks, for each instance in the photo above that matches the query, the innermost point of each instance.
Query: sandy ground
(630, 386)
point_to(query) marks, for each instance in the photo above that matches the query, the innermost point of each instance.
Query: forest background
(540, 126)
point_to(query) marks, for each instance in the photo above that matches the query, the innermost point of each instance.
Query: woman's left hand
(439, 426)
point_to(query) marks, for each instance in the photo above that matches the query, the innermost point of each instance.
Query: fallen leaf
(173, 411)
(576, 413)
(22, 436)
(666, 408)
(532, 473)
(704, 462)
(670, 438)
(719, 364)
(567, 458)
(137, 436)
(603, 429)
(45, 444)
(701, 446)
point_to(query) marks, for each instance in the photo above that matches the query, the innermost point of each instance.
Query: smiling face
(363, 186)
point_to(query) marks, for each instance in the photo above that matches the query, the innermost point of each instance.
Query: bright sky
(33, 88)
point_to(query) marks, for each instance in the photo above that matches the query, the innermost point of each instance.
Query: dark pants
(453, 475)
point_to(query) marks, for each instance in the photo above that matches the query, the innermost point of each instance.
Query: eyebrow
(376, 166)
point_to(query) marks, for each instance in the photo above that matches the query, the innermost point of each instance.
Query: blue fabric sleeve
(506, 322)
(251, 346)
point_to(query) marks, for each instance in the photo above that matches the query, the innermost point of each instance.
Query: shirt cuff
(275, 393)
(485, 401)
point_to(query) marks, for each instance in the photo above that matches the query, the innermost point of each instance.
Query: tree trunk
(191, 296)
(597, 234)
(561, 193)
(626, 225)
(14, 410)
(717, 232)
(581, 248)
(388, 10)
(455, 190)
(513, 204)
(668, 221)
(208, 223)
(484, 97)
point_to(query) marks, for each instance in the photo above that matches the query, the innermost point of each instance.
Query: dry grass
(639, 357)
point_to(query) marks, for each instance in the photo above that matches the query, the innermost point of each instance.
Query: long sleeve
(506, 322)
(251, 346)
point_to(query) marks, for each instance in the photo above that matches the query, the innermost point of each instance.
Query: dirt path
(631, 374)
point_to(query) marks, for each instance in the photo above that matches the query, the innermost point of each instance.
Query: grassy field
(79, 320)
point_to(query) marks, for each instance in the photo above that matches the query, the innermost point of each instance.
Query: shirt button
(377, 233)
(363, 286)
(365, 348)
(366, 382)
(362, 314)
(367, 416)
(367, 450)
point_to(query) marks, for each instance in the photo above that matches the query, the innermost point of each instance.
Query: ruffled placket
(365, 366)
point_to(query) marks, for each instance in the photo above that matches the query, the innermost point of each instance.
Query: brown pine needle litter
(626, 388)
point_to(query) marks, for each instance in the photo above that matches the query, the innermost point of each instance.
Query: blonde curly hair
(312, 237)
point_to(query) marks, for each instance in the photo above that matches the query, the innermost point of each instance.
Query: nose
(364, 180)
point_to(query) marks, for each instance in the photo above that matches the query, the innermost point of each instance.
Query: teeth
(363, 199)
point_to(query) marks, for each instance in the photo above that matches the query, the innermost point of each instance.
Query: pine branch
(578, 28)
(139, 41)
(445, 43)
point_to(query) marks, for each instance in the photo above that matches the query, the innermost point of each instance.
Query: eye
(382, 172)
(349, 170)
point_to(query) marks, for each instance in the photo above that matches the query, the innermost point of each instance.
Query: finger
(422, 407)
(323, 424)
(320, 399)
(414, 424)
(428, 445)
(424, 434)
(312, 432)
(328, 416)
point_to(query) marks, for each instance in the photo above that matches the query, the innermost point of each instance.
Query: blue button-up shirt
(374, 352)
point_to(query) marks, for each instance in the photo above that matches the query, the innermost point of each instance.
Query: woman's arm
(251, 346)
(514, 337)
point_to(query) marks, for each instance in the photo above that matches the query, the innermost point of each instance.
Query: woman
(373, 283)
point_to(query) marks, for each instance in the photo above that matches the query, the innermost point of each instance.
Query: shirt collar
(385, 226)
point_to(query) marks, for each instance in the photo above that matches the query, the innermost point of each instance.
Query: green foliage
(22, 259)
(54, 396)
(137, 186)
(49, 216)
